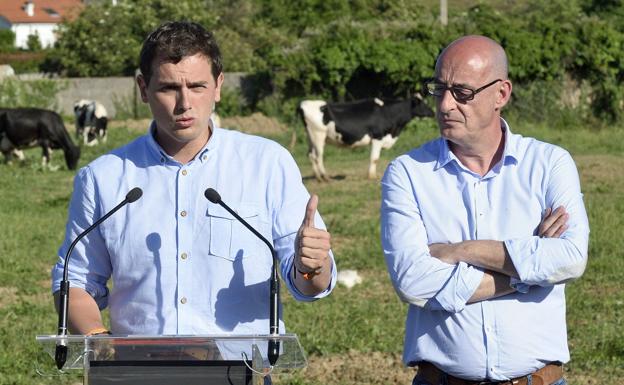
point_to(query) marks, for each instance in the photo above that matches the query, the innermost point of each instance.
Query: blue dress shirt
(428, 196)
(180, 264)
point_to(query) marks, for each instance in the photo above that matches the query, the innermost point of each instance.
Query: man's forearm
(492, 285)
(84, 314)
(490, 255)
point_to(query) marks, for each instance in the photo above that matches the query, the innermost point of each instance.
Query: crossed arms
(441, 257)
(494, 258)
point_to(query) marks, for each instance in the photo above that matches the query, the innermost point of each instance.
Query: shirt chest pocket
(229, 238)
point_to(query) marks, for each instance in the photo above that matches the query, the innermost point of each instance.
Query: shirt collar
(157, 151)
(510, 152)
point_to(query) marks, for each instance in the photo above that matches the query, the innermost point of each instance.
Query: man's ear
(218, 87)
(504, 93)
(142, 87)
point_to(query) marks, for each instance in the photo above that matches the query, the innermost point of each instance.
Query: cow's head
(420, 108)
(81, 105)
(72, 155)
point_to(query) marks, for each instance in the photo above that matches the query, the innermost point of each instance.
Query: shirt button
(183, 213)
(162, 160)
(184, 172)
(183, 300)
(204, 157)
(183, 256)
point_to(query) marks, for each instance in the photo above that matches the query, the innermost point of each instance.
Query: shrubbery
(35, 93)
(7, 40)
(347, 50)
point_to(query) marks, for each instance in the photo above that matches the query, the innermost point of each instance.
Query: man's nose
(446, 102)
(183, 103)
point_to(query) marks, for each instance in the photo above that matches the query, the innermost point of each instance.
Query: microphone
(273, 350)
(60, 354)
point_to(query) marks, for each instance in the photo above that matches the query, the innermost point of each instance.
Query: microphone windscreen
(134, 194)
(212, 195)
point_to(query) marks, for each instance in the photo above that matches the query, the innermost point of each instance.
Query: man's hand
(312, 244)
(445, 252)
(554, 223)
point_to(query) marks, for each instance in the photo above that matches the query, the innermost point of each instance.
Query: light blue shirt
(428, 196)
(180, 264)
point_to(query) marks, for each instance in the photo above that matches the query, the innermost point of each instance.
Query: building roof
(44, 11)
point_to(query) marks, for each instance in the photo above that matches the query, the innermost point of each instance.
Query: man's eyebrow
(168, 84)
(198, 83)
(462, 85)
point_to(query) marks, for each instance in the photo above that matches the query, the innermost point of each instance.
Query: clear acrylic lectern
(188, 360)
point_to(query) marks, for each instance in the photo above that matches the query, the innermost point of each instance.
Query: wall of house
(45, 31)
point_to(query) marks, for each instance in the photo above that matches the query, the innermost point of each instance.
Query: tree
(7, 40)
(33, 43)
(105, 40)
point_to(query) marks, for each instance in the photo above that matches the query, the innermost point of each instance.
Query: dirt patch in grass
(603, 168)
(8, 296)
(359, 368)
(256, 123)
(133, 125)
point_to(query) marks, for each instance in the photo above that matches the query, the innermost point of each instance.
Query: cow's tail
(59, 132)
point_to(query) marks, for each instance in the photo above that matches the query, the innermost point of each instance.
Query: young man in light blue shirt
(481, 228)
(180, 264)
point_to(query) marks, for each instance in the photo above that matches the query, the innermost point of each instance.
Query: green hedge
(346, 50)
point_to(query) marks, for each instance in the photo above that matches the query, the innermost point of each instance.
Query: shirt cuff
(458, 289)
(518, 285)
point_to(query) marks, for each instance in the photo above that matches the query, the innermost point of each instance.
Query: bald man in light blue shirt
(471, 239)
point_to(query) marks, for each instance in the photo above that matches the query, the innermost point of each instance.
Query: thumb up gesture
(312, 262)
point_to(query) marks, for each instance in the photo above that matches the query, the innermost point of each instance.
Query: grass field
(354, 336)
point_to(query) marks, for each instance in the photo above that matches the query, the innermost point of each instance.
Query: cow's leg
(7, 149)
(19, 154)
(316, 144)
(315, 153)
(374, 158)
(45, 154)
(92, 136)
(46, 159)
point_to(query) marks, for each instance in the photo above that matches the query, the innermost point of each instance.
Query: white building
(36, 17)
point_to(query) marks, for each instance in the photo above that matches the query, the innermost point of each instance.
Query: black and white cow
(22, 128)
(91, 121)
(360, 123)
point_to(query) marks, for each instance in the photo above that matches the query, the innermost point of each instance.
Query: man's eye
(461, 91)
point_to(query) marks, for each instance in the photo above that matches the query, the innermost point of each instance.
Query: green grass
(356, 335)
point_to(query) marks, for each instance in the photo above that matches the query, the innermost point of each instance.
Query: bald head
(480, 53)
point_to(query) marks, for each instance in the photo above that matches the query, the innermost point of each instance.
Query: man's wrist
(97, 331)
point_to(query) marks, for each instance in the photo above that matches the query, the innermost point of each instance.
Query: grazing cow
(29, 127)
(357, 124)
(91, 121)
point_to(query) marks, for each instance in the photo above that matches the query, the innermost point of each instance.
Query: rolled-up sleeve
(89, 266)
(418, 278)
(549, 261)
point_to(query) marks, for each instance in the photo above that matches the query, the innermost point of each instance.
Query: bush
(363, 48)
(232, 103)
(7, 40)
(34, 93)
(130, 107)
